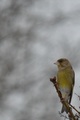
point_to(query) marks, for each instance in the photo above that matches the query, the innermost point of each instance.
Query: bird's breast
(64, 79)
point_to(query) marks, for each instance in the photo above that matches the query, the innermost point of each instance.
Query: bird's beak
(56, 63)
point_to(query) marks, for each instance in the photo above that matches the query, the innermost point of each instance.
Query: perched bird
(66, 80)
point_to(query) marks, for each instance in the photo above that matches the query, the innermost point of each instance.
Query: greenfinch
(65, 80)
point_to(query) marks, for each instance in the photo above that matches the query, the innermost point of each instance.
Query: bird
(66, 80)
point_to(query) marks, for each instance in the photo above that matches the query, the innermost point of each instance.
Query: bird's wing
(73, 79)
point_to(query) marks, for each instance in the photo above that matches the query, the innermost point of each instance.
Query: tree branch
(70, 113)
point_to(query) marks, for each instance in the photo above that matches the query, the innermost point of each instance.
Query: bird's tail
(64, 109)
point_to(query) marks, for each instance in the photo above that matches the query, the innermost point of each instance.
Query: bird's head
(63, 63)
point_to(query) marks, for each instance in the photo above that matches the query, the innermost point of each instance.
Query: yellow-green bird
(65, 79)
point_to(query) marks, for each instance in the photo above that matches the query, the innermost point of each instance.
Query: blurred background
(33, 35)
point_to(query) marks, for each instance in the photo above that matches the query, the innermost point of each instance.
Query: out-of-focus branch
(71, 115)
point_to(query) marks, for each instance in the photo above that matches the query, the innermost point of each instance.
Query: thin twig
(77, 96)
(75, 109)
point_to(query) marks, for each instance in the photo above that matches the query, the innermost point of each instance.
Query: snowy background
(33, 35)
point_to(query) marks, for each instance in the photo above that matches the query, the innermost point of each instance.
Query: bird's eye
(60, 60)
